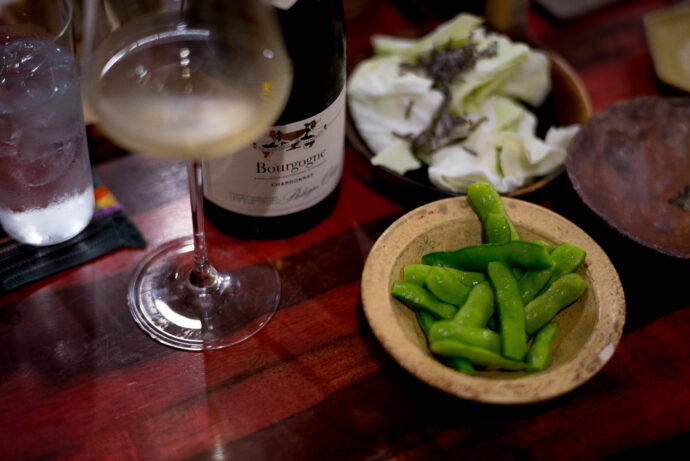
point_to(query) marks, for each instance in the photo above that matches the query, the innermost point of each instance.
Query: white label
(290, 169)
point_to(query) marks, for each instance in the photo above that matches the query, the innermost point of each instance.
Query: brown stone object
(631, 165)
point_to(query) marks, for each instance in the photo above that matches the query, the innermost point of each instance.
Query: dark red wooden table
(79, 380)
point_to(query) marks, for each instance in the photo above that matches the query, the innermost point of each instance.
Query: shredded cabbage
(498, 142)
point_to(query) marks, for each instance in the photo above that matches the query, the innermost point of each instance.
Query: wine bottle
(288, 180)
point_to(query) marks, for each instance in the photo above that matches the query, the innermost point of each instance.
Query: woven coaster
(108, 230)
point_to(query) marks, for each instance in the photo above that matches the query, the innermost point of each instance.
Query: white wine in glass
(187, 81)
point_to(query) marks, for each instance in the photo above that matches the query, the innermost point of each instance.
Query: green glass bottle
(288, 180)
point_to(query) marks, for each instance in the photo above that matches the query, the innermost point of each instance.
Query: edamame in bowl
(588, 329)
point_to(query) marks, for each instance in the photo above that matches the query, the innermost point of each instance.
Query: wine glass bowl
(189, 81)
(162, 86)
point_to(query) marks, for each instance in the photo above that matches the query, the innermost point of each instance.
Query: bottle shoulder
(314, 33)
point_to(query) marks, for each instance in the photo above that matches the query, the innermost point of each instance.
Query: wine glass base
(172, 311)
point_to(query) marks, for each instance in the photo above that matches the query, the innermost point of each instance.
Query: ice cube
(33, 71)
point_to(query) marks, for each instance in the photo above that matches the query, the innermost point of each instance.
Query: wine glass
(187, 80)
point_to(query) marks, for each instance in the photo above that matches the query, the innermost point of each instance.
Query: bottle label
(289, 169)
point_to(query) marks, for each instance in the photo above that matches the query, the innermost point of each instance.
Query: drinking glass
(187, 80)
(46, 187)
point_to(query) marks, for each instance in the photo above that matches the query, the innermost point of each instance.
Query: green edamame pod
(416, 273)
(538, 354)
(518, 272)
(476, 355)
(511, 312)
(492, 324)
(478, 308)
(566, 258)
(558, 295)
(460, 364)
(484, 199)
(425, 320)
(472, 336)
(546, 245)
(419, 298)
(446, 287)
(497, 228)
(469, 278)
(476, 257)
(532, 283)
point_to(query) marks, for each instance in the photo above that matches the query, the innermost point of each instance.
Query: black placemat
(109, 229)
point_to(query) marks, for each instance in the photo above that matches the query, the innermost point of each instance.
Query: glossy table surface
(79, 380)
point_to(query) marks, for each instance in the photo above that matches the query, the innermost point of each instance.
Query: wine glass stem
(202, 275)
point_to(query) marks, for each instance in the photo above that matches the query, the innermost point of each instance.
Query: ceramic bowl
(589, 329)
(567, 104)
